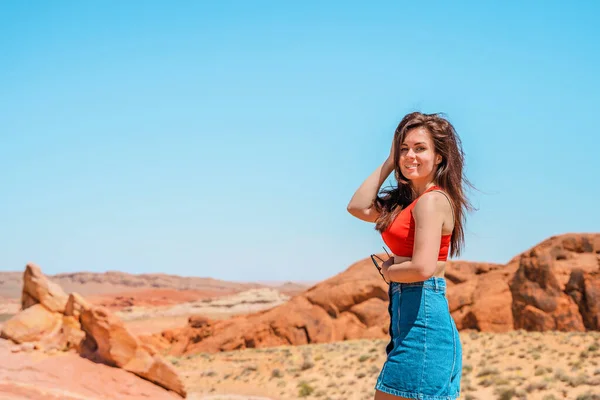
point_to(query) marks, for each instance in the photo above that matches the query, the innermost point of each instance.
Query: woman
(421, 221)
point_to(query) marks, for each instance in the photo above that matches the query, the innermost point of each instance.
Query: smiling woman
(421, 220)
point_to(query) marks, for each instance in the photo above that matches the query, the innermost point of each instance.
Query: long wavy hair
(449, 175)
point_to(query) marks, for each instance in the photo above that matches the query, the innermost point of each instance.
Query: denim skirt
(424, 355)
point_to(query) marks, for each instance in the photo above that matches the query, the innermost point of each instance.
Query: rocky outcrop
(51, 320)
(539, 301)
(584, 288)
(350, 305)
(479, 296)
(553, 286)
(557, 286)
(33, 375)
(39, 290)
(31, 325)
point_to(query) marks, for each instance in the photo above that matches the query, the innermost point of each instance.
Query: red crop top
(400, 234)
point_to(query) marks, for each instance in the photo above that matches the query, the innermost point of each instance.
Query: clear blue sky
(225, 138)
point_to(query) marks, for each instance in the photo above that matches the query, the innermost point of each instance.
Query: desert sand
(514, 365)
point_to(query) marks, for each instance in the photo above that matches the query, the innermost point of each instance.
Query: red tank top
(400, 234)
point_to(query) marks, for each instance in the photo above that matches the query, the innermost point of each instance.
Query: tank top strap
(436, 188)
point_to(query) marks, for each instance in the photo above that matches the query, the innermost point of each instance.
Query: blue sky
(224, 139)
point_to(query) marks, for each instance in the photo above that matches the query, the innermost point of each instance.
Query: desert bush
(539, 370)
(575, 381)
(588, 396)
(485, 382)
(505, 392)
(276, 373)
(487, 371)
(540, 385)
(561, 375)
(307, 362)
(549, 397)
(304, 389)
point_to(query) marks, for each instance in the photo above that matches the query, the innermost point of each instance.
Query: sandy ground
(515, 365)
(148, 320)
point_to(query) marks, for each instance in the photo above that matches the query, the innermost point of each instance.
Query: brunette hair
(449, 175)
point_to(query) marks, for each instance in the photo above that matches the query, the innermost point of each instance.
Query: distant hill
(114, 282)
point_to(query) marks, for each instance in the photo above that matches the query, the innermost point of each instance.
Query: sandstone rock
(76, 305)
(38, 289)
(109, 342)
(528, 292)
(584, 289)
(198, 321)
(71, 335)
(108, 339)
(52, 321)
(147, 364)
(350, 305)
(481, 299)
(579, 244)
(31, 325)
(68, 376)
(538, 300)
(491, 308)
(369, 312)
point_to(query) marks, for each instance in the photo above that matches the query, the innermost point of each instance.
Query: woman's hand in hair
(392, 150)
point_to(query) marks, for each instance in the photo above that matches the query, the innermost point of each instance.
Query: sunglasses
(374, 258)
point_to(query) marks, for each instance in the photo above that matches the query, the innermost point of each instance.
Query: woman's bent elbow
(368, 215)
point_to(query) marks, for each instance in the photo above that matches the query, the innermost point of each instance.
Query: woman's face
(418, 160)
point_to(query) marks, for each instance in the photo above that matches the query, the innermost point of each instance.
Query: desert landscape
(530, 329)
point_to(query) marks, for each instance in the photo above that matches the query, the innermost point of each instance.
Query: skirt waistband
(435, 282)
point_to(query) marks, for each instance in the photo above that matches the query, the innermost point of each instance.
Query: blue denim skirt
(424, 355)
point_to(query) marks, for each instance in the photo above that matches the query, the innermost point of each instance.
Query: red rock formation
(584, 289)
(350, 305)
(481, 299)
(34, 375)
(539, 300)
(53, 320)
(555, 285)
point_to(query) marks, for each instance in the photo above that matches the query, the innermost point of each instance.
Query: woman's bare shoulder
(434, 200)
